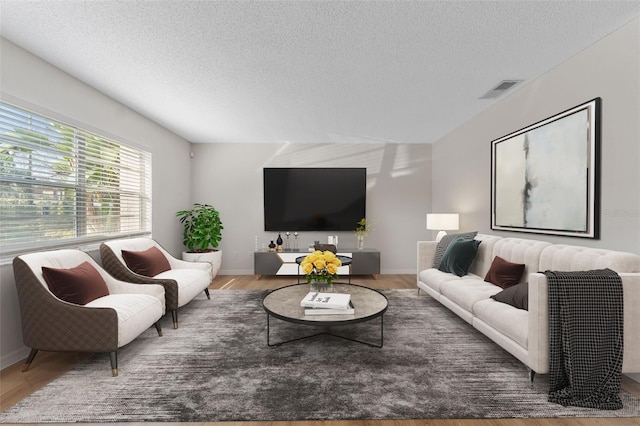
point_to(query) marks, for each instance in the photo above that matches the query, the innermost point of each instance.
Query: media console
(365, 262)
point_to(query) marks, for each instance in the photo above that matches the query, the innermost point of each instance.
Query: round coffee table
(284, 304)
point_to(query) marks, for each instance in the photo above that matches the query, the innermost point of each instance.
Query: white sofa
(524, 333)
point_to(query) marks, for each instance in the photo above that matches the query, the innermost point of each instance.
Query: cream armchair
(182, 282)
(101, 325)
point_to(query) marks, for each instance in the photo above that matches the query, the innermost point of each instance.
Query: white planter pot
(212, 257)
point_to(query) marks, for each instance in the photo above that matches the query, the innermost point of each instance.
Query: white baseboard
(634, 376)
(14, 357)
(236, 272)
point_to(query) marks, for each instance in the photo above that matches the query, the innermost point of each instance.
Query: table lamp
(442, 222)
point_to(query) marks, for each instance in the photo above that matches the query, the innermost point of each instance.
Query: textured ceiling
(308, 71)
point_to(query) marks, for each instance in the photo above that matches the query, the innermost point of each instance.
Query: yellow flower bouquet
(321, 266)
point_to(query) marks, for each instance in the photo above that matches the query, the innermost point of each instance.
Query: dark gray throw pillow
(444, 243)
(459, 256)
(516, 296)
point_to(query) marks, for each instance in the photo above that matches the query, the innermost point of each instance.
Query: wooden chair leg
(113, 357)
(158, 328)
(29, 360)
(206, 291)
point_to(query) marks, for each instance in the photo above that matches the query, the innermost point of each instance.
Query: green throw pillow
(442, 245)
(459, 256)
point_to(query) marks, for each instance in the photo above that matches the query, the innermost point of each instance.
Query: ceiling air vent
(501, 88)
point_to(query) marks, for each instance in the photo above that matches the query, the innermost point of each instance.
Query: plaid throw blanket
(585, 338)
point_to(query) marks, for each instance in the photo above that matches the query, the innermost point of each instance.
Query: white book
(326, 311)
(314, 299)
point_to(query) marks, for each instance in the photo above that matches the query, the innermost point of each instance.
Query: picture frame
(545, 177)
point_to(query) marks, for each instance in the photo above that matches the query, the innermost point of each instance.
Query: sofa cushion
(512, 322)
(459, 256)
(516, 296)
(561, 257)
(504, 273)
(79, 285)
(468, 290)
(442, 245)
(149, 263)
(519, 250)
(434, 278)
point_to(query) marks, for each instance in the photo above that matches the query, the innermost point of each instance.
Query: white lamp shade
(442, 221)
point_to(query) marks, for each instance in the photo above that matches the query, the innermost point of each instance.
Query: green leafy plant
(363, 227)
(202, 228)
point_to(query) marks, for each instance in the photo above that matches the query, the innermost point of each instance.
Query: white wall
(34, 84)
(229, 177)
(609, 70)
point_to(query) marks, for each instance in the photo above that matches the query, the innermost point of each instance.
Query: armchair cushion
(79, 285)
(149, 263)
(191, 282)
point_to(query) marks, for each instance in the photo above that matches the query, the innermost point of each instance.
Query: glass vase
(321, 287)
(360, 242)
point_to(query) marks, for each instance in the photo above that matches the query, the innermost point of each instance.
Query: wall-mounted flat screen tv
(314, 199)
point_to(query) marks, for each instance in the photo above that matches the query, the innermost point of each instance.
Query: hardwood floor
(15, 385)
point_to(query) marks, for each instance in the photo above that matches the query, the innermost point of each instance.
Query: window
(61, 185)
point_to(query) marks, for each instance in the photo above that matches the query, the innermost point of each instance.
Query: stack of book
(315, 303)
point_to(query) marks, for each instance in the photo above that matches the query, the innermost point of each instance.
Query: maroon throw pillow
(79, 285)
(149, 263)
(503, 273)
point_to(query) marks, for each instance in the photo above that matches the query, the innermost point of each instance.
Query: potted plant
(202, 233)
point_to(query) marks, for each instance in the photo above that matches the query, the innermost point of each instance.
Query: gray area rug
(217, 367)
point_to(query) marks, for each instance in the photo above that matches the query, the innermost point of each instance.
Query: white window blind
(61, 185)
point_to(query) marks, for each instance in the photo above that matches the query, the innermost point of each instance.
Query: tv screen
(314, 199)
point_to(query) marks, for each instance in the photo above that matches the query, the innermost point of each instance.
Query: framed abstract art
(545, 177)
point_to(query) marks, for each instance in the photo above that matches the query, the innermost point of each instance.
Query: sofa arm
(426, 255)
(631, 289)
(538, 336)
(538, 343)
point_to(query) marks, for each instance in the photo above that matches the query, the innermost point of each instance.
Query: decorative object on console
(324, 247)
(279, 243)
(504, 273)
(321, 267)
(459, 256)
(545, 177)
(442, 222)
(442, 245)
(361, 231)
(202, 232)
(272, 246)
